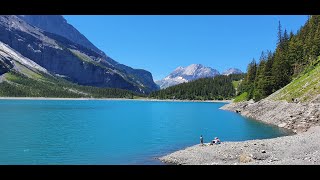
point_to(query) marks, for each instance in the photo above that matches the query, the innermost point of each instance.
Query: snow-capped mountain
(187, 74)
(232, 71)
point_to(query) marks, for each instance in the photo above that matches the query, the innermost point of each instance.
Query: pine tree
(259, 80)
(252, 70)
(295, 56)
(251, 76)
(268, 79)
(292, 55)
(279, 33)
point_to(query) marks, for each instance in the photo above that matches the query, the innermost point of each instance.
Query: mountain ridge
(22, 77)
(57, 54)
(232, 71)
(186, 74)
(57, 24)
(190, 73)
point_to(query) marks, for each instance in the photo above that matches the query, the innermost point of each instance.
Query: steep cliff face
(5, 65)
(70, 60)
(56, 24)
(11, 60)
(141, 76)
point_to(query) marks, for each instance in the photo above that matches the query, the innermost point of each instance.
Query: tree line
(218, 88)
(294, 54)
(19, 85)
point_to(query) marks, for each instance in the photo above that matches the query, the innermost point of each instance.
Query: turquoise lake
(114, 131)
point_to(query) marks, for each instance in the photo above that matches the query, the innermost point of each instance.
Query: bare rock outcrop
(298, 117)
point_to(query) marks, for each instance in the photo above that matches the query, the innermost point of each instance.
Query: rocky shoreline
(301, 148)
(298, 117)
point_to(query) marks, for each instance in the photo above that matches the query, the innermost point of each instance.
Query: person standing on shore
(201, 140)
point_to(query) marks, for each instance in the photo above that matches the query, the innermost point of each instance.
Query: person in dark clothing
(201, 140)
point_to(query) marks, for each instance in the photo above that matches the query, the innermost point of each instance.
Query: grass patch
(236, 84)
(29, 72)
(85, 58)
(304, 88)
(11, 77)
(241, 97)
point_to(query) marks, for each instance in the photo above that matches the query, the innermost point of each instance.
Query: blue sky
(161, 43)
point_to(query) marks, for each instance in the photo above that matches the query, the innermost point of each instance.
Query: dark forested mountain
(187, 74)
(294, 54)
(65, 58)
(217, 88)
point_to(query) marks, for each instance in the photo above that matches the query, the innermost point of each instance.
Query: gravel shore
(298, 117)
(301, 148)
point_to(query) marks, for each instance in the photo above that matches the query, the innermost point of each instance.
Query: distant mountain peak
(195, 65)
(232, 71)
(187, 74)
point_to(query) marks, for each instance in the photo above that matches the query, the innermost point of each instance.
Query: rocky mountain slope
(58, 25)
(74, 62)
(11, 59)
(22, 77)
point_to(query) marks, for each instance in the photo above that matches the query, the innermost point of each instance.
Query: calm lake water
(114, 132)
